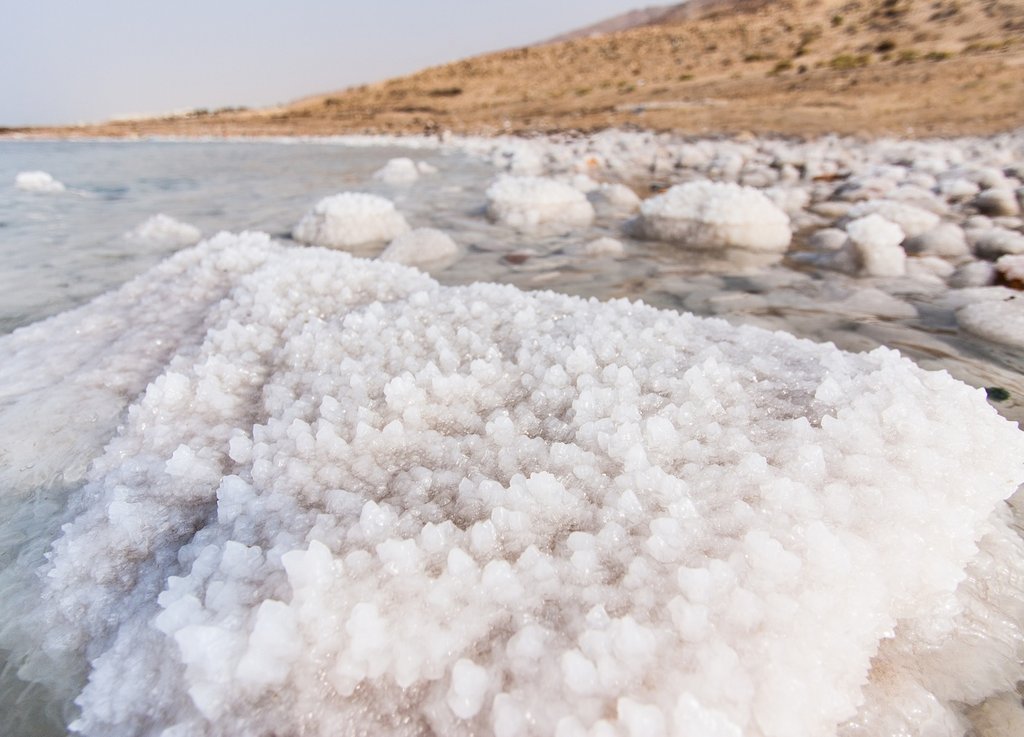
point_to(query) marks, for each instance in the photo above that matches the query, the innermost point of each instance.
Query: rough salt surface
(712, 215)
(37, 181)
(350, 219)
(164, 231)
(536, 203)
(347, 499)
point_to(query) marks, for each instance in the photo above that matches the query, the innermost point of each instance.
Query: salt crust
(705, 214)
(350, 500)
(877, 245)
(1011, 267)
(398, 171)
(1000, 321)
(163, 231)
(37, 181)
(420, 246)
(350, 219)
(535, 203)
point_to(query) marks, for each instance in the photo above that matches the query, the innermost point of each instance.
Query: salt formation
(600, 247)
(1011, 268)
(535, 203)
(876, 241)
(37, 181)
(614, 200)
(344, 499)
(420, 246)
(913, 221)
(350, 219)
(398, 171)
(1001, 321)
(162, 231)
(714, 215)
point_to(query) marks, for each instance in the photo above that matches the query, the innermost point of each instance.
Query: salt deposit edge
(362, 499)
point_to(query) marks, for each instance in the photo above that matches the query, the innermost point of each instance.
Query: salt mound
(532, 203)
(877, 244)
(1011, 267)
(420, 246)
(913, 221)
(706, 214)
(345, 497)
(37, 181)
(163, 231)
(350, 219)
(1001, 321)
(600, 247)
(614, 199)
(398, 171)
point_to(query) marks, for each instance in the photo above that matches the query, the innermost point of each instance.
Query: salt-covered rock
(420, 246)
(991, 243)
(913, 221)
(1001, 201)
(614, 200)
(37, 181)
(712, 215)
(1010, 222)
(877, 244)
(1011, 268)
(957, 189)
(339, 495)
(532, 203)
(973, 274)
(929, 268)
(790, 200)
(600, 247)
(988, 177)
(583, 182)
(1001, 321)
(398, 171)
(831, 210)
(946, 240)
(162, 231)
(827, 239)
(350, 219)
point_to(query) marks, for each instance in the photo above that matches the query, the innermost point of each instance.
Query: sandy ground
(792, 67)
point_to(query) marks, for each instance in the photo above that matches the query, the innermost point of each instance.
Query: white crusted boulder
(350, 219)
(536, 203)
(711, 215)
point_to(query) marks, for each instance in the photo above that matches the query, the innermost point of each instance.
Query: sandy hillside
(803, 67)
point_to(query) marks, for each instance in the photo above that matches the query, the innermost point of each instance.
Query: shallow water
(60, 250)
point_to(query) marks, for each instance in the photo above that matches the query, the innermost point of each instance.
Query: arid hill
(800, 67)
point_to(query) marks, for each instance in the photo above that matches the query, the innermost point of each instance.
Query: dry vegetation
(803, 67)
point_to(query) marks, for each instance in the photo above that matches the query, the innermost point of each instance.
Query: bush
(844, 62)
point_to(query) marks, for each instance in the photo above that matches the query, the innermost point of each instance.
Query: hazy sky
(64, 61)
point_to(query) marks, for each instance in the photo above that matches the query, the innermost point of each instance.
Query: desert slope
(803, 67)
